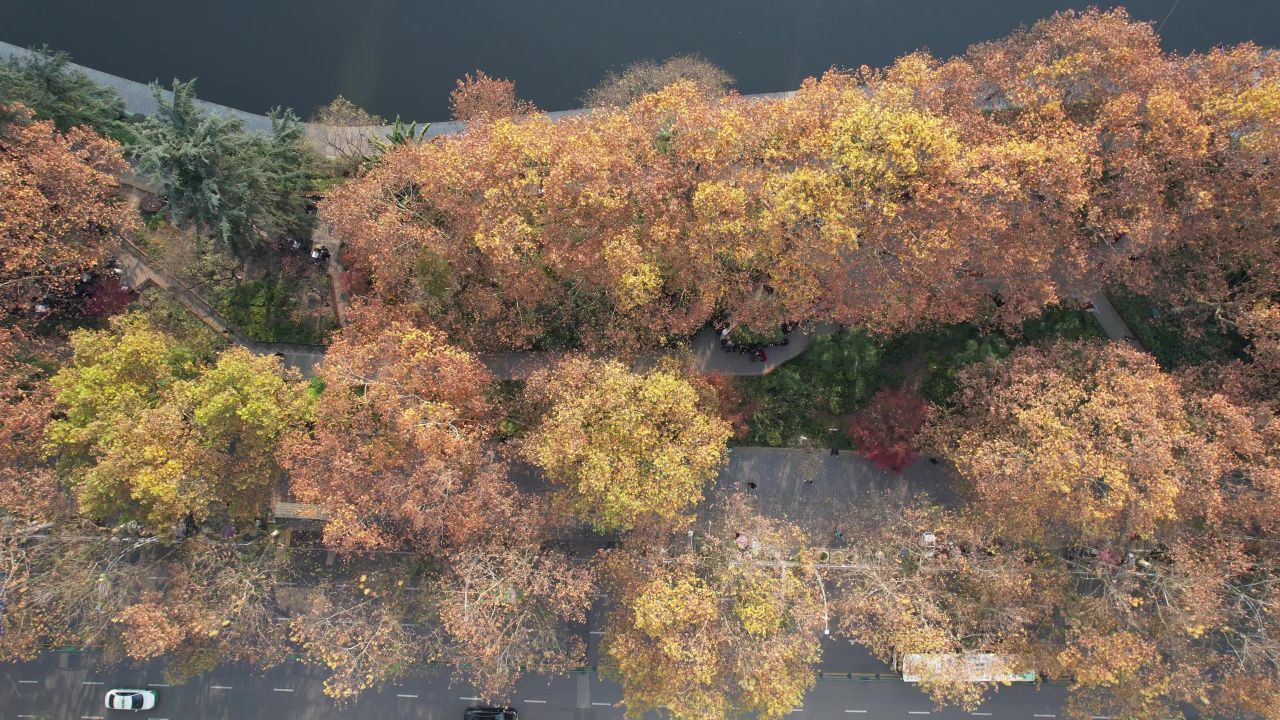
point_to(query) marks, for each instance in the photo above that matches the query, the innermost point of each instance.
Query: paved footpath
(70, 686)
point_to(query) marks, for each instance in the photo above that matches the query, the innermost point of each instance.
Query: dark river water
(402, 56)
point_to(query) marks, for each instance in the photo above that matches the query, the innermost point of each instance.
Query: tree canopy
(44, 83)
(626, 447)
(720, 631)
(241, 188)
(59, 213)
(149, 433)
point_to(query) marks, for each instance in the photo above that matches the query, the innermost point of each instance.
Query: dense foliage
(45, 84)
(1114, 520)
(59, 212)
(241, 188)
(628, 448)
(148, 432)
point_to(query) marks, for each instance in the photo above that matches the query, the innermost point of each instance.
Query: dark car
(489, 713)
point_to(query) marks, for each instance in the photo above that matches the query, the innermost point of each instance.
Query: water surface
(402, 56)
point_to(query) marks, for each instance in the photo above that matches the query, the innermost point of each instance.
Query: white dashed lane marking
(281, 689)
(28, 682)
(157, 685)
(537, 702)
(856, 711)
(602, 704)
(93, 682)
(411, 697)
(918, 712)
(467, 698)
(981, 714)
(221, 687)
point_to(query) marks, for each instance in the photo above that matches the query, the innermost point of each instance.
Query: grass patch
(814, 395)
(1176, 339)
(268, 312)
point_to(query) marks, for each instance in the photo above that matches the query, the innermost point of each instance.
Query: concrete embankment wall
(138, 99)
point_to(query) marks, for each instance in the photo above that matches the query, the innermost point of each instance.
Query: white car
(131, 699)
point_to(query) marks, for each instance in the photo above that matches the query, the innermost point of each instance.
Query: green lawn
(1176, 340)
(814, 395)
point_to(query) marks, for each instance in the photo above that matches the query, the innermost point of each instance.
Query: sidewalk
(808, 487)
(709, 357)
(1111, 322)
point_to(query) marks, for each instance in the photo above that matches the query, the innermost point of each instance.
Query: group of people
(757, 351)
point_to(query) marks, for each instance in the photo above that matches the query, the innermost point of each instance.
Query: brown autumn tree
(214, 603)
(1222, 264)
(368, 632)
(644, 77)
(1077, 439)
(59, 212)
(29, 487)
(344, 132)
(480, 98)
(396, 455)
(507, 610)
(916, 579)
(731, 628)
(64, 583)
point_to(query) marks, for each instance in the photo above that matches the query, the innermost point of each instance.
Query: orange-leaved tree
(396, 453)
(59, 211)
(1077, 439)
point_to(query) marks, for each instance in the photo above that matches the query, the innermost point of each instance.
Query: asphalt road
(71, 686)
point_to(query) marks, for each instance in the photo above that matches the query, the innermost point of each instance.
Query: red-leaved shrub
(885, 430)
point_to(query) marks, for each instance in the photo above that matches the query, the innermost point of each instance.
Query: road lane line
(1049, 716)
(28, 682)
(93, 682)
(602, 704)
(918, 712)
(537, 702)
(1100, 717)
(281, 689)
(466, 698)
(407, 696)
(981, 714)
(595, 632)
(157, 685)
(92, 717)
(221, 687)
(856, 711)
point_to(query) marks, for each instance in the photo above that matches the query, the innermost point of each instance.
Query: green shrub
(808, 395)
(1176, 340)
(267, 312)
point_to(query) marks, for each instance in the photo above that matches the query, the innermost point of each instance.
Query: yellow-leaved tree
(626, 447)
(149, 432)
(729, 629)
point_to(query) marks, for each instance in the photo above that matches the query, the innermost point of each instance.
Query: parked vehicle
(124, 699)
(489, 713)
